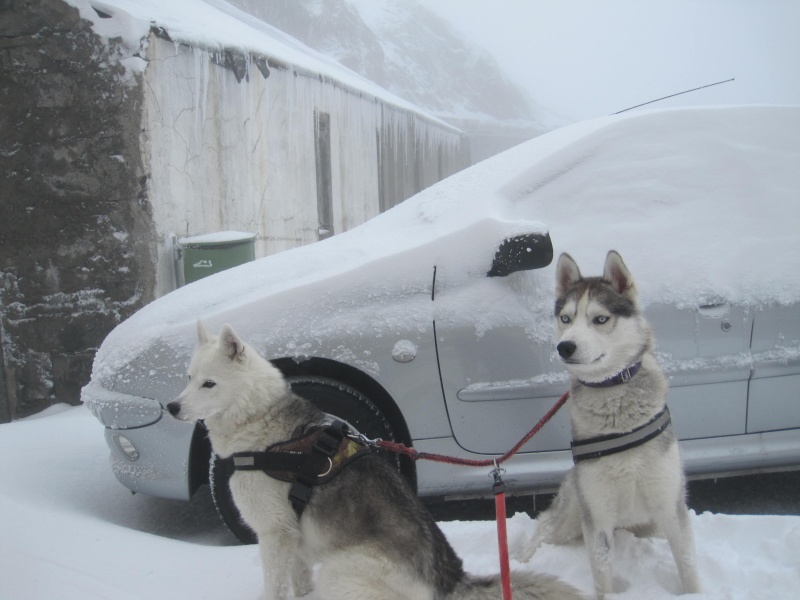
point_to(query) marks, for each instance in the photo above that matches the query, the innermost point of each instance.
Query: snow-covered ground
(68, 530)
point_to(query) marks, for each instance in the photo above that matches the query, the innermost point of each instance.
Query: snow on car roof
(702, 203)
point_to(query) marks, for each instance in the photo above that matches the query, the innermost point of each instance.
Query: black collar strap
(623, 376)
(306, 461)
(605, 445)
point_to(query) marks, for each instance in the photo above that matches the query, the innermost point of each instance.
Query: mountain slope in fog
(408, 50)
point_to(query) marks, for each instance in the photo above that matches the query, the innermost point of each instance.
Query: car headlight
(120, 411)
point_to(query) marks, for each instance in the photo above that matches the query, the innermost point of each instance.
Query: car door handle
(714, 311)
(717, 311)
(495, 392)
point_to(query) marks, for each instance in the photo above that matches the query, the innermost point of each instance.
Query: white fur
(642, 488)
(246, 406)
(236, 410)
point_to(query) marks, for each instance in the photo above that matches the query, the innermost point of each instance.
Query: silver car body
(405, 302)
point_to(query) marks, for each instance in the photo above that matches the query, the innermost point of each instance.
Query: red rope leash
(467, 462)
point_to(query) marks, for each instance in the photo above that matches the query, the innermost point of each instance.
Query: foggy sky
(587, 58)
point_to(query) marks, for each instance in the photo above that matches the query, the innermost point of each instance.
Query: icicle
(199, 99)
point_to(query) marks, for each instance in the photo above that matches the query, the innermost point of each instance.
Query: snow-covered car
(432, 323)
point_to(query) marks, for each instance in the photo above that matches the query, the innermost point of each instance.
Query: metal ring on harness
(328, 470)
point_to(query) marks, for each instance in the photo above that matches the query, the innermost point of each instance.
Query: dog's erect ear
(232, 345)
(621, 279)
(567, 273)
(202, 333)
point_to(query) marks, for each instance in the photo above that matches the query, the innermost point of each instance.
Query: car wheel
(330, 396)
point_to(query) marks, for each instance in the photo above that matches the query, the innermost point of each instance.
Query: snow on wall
(229, 148)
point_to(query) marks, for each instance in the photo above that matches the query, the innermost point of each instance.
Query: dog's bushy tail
(525, 586)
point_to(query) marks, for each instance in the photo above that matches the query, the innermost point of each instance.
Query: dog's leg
(301, 578)
(265, 510)
(559, 524)
(277, 550)
(599, 515)
(678, 531)
(600, 545)
(529, 549)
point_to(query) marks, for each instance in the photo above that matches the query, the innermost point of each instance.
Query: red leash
(499, 490)
(467, 462)
(499, 487)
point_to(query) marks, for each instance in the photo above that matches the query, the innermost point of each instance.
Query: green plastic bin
(204, 255)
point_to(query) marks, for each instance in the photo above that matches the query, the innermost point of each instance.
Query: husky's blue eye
(601, 320)
(565, 319)
(209, 384)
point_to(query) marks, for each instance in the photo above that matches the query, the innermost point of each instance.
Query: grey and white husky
(628, 472)
(365, 528)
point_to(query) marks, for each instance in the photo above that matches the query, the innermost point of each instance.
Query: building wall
(232, 142)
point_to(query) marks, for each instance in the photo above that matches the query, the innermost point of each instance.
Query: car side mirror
(522, 253)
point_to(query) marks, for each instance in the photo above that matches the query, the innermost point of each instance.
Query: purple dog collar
(623, 376)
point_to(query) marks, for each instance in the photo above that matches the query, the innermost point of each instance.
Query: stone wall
(76, 233)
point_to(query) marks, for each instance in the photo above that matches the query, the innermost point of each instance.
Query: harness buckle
(299, 495)
(360, 437)
(328, 443)
(499, 485)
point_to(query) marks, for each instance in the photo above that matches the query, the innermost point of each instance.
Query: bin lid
(219, 237)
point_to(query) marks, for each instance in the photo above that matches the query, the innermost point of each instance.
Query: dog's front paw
(301, 580)
(273, 594)
(276, 588)
(303, 588)
(529, 547)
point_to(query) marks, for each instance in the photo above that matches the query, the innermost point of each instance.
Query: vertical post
(322, 147)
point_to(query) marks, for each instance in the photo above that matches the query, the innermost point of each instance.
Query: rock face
(76, 235)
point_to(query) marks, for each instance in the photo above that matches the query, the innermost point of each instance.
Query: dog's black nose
(174, 408)
(566, 349)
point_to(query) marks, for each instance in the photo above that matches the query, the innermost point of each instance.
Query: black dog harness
(312, 459)
(605, 445)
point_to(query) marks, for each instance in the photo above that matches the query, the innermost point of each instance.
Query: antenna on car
(673, 95)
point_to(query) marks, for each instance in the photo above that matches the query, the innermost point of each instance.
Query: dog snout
(174, 408)
(566, 349)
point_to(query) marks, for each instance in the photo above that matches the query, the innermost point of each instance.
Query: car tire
(330, 396)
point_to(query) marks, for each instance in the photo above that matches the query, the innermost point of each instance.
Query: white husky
(365, 528)
(628, 471)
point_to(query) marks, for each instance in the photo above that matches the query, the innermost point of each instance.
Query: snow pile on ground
(68, 530)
